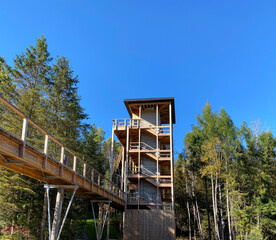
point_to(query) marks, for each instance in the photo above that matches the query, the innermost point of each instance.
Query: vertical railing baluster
(92, 175)
(84, 169)
(75, 164)
(99, 179)
(46, 144)
(62, 155)
(61, 160)
(24, 136)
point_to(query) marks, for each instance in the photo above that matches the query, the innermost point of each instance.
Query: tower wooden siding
(149, 225)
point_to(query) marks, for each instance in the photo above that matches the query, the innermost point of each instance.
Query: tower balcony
(121, 124)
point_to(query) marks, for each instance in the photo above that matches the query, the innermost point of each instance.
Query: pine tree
(31, 74)
(65, 114)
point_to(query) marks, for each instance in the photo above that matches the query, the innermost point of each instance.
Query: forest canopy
(225, 180)
(46, 90)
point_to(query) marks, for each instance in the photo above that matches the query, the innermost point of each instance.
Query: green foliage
(31, 75)
(91, 231)
(255, 234)
(46, 90)
(91, 146)
(239, 167)
(65, 115)
(7, 86)
(15, 193)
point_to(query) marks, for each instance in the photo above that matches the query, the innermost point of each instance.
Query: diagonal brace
(96, 224)
(47, 187)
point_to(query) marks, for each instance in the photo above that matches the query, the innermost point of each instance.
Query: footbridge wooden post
(24, 136)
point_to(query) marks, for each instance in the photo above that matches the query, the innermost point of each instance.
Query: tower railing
(150, 200)
(141, 123)
(143, 146)
(126, 122)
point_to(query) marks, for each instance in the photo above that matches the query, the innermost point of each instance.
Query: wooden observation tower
(147, 167)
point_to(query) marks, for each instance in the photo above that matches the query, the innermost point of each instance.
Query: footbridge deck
(19, 155)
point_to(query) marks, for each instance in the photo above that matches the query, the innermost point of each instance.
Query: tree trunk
(227, 205)
(188, 209)
(108, 224)
(228, 211)
(207, 207)
(12, 228)
(57, 213)
(214, 207)
(85, 221)
(189, 221)
(121, 225)
(196, 205)
(213, 202)
(44, 217)
(194, 221)
(221, 212)
(100, 220)
(233, 223)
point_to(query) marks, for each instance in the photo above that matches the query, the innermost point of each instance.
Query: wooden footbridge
(41, 156)
(17, 154)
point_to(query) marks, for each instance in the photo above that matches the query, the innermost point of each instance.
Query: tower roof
(132, 106)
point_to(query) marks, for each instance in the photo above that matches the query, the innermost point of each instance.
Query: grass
(91, 231)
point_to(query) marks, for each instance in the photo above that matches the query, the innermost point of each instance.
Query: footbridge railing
(31, 134)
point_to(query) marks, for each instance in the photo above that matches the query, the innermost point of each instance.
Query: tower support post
(122, 169)
(127, 160)
(111, 156)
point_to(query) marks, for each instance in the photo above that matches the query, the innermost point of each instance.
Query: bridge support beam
(55, 231)
(103, 213)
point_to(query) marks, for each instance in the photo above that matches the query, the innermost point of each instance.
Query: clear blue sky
(223, 52)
